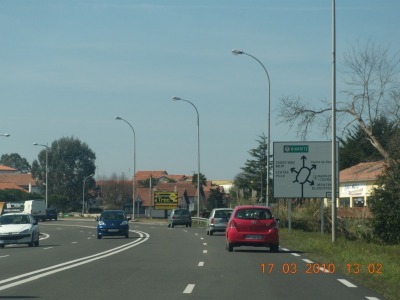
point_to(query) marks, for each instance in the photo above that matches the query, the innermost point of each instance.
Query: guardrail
(199, 220)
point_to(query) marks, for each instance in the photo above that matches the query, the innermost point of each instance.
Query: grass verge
(374, 266)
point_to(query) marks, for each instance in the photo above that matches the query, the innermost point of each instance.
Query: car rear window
(223, 214)
(253, 213)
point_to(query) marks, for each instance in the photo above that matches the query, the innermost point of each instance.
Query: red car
(251, 225)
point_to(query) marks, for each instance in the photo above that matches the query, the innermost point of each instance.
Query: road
(157, 262)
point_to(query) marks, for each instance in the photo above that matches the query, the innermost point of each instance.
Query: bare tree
(372, 91)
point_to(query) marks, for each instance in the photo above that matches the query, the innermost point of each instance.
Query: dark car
(251, 225)
(180, 216)
(112, 223)
(51, 214)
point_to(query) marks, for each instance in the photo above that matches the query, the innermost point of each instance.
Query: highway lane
(159, 263)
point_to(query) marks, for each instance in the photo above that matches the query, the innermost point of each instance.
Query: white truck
(37, 208)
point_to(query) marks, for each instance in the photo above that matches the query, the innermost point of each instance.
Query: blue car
(112, 223)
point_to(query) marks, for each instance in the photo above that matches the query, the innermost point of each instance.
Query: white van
(37, 208)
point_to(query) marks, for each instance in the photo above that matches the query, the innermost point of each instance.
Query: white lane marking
(295, 254)
(189, 288)
(347, 283)
(205, 251)
(201, 263)
(205, 244)
(196, 234)
(4, 256)
(44, 236)
(47, 248)
(27, 277)
(202, 238)
(284, 249)
(372, 298)
(74, 243)
(324, 270)
(308, 261)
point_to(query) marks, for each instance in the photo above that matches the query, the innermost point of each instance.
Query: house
(10, 178)
(356, 183)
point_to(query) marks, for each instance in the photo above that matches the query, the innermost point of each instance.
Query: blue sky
(67, 68)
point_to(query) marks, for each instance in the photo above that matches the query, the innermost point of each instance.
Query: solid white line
(71, 264)
(308, 261)
(347, 283)
(204, 251)
(201, 263)
(189, 288)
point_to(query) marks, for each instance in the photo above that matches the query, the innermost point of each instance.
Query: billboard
(165, 200)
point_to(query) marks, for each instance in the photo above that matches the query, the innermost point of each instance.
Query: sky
(68, 67)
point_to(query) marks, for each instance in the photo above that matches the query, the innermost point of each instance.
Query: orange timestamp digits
(316, 268)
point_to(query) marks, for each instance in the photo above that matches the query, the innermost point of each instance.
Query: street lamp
(5, 134)
(237, 52)
(198, 152)
(83, 196)
(134, 167)
(47, 168)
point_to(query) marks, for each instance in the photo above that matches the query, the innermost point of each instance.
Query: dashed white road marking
(284, 249)
(189, 288)
(4, 256)
(295, 254)
(347, 283)
(372, 298)
(205, 244)
(201, 263)
(205, 251)
(308, 261)
(47, 248)
(196, 234)
(202, 238)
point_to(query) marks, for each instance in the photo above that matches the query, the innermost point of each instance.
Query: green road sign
(295, 148)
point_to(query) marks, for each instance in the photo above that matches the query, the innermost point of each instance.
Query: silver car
(217, 220)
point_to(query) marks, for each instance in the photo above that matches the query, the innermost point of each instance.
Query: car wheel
(190, 224)
(207, 232)
(229, 247)
(172, 225)
(211, 232)
(36, 244)
(99, 237)
(1, 246)
(169, 225)
(274, 248)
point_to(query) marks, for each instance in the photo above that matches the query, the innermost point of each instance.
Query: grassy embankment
(379, 266)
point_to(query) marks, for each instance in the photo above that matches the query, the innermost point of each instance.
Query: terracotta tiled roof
(186, 185)
(18, 179)
(362, 172)
(8, 169)
(10, 186)
(143, 175)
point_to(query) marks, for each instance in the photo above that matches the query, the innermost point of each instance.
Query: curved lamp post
(134, 167)
(83, 196)
(237, 52)
(198, 151)
(47, 167)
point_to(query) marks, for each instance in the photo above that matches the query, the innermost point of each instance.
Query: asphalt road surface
(157, 262)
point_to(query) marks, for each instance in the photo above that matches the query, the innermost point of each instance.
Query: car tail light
(212, 221)
(232, 224)
(274, 224)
